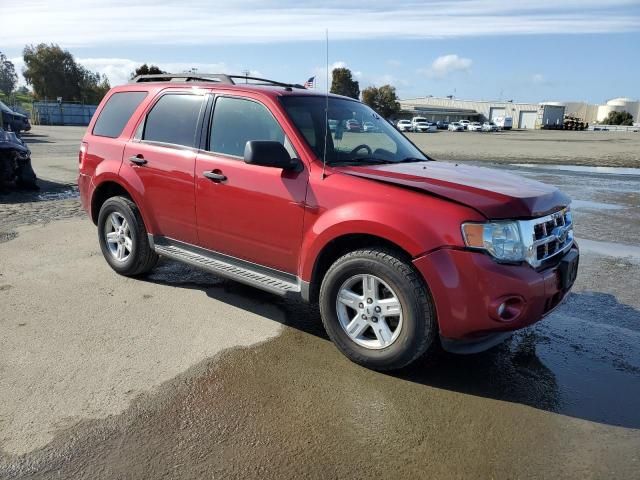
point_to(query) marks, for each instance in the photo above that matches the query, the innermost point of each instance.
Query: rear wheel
(377, 310)
(123, 237)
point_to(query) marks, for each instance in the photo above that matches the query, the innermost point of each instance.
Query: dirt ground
(611, 149)
(184, 375)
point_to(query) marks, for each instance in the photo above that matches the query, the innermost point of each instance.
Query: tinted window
(116, 113)
(237, 121)
(347, 143)
(173, 119)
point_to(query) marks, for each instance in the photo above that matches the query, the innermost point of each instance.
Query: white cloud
(118, 70)
(74, 23)
(538, 78)
(447, 64)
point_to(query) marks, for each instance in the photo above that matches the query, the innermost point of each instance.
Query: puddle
(589, 205)
(582, 169)
(610, 249)
(7, 236)
(65, 194)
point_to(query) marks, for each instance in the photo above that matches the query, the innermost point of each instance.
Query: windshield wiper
(362, 160)
(412, 160)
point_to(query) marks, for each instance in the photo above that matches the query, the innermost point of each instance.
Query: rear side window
(237, 121)
(116, 113)
(174, 119)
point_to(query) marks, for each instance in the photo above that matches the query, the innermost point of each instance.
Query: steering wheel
(361, 147)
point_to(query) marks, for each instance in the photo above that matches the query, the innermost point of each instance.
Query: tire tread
(420, 292)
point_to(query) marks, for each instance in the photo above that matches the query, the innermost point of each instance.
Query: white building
(525, 115)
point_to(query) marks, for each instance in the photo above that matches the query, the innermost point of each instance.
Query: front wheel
(377, 310)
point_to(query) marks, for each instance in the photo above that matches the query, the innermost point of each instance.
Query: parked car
(415, 121)
(455, 127)
(474, 127)
(401, 252)
(489, 127)
(369, 127)
(464, 123)
(424, 127)
(15, 163)
(404, 125)
(353, 125)
(442, 125)
(504, 123)
(14, 121)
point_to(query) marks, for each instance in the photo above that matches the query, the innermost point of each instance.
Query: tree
(383, 100)
(53, 72)
(342, 83)
(145, 69)
(8, 76)
(619, 118)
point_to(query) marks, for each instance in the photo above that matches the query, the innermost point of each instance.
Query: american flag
(310, 83)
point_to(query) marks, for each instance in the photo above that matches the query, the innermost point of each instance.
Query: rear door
(255, 213)
(162, 157)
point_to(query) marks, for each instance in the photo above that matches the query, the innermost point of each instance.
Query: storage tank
(621, 104)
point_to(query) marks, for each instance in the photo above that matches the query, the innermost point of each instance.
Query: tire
(409, 335)
(138, 257)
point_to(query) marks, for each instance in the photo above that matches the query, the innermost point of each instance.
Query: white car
(474, 127)
(455, 127)
(464, 123)
(415, 121)
(404, 125)
(369, 127)
(489, 127)
(424, 127)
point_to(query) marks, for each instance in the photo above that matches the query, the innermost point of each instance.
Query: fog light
(507, 309)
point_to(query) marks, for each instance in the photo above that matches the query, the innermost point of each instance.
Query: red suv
(247, 181)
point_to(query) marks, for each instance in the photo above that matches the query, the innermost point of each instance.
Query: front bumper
(468, 288)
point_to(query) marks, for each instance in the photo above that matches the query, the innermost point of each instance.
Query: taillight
(82, 153)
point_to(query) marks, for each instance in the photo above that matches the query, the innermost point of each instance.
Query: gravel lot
(183, 375)
(612, 149)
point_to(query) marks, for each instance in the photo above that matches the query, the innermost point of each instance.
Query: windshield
(347, 143)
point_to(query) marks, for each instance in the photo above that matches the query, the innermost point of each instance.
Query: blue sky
(476, 49)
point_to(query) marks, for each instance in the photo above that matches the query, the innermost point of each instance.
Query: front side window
(355, 134)
(237, 121)
(116, 113)
(174, 119)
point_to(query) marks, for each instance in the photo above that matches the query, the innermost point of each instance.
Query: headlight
(501, 239)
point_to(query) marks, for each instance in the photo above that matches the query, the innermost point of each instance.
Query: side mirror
(268, 153)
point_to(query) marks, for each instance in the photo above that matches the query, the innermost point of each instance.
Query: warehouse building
(524, 115)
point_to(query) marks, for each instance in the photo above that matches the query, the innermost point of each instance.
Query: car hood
(493, 193)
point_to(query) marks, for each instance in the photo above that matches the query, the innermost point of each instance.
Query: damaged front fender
(15, 163)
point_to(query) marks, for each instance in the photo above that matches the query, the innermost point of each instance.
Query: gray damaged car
(15, 163)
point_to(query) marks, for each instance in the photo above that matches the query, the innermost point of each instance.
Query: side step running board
(229, 267)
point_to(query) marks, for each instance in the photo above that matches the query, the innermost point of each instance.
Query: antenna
(326, 109)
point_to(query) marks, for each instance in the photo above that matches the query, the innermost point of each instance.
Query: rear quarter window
(116, 113)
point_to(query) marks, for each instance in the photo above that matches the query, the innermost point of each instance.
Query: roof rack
(210, 77)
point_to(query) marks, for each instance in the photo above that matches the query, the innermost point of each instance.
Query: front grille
(547, 236)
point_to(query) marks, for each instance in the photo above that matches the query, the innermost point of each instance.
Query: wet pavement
(557, 400)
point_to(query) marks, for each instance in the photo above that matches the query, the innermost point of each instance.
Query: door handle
(138, 160)
(216, 175)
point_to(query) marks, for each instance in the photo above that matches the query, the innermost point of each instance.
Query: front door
(250, 212)
(163, 159)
